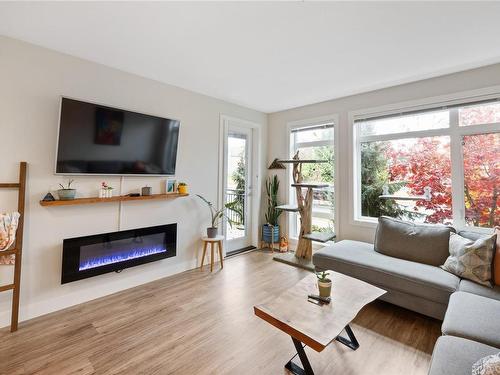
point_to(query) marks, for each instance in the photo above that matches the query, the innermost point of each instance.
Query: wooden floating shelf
(320, 236)
(119, 198)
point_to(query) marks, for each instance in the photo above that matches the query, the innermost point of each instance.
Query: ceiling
(267, 56)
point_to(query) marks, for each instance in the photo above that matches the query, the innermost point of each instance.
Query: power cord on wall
(122, 178)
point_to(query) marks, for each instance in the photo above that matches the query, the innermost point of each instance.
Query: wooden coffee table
(318, 325)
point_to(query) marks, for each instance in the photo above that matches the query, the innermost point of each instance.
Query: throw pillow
(489, 365)
(496, 259)
(471, 259)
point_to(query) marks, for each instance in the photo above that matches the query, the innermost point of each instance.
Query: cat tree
(304, 206)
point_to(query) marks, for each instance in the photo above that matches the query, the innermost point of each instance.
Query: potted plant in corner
(66, 193)
(271, 230)
(324, 284)
(217, 216)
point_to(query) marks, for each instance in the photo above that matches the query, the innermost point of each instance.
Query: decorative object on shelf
(48, 197)
(182, 188)
(276, 165)
(217, 216)
(16, 247)
(283, 244)
(324, 284)
(105, 191)
(146, 191)
(171, 186)
(271, 230)
(66, 193)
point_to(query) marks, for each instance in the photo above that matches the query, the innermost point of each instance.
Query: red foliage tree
(482, 179)
(426, 162)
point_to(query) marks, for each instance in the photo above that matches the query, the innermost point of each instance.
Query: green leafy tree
(321, 173)
(238, 177)
(374, 176)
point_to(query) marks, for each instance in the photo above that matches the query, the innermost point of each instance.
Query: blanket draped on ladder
(8, 228)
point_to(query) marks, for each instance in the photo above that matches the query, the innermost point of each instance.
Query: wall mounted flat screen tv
(95, 139)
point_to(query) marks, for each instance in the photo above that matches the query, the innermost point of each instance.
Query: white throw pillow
(471, 259)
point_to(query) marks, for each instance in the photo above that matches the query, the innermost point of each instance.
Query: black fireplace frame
(71, 251)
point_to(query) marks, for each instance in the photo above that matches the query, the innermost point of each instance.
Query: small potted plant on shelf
(271, 230)
(182, 188)
(324, 284)
(217, 217)
(66, 193)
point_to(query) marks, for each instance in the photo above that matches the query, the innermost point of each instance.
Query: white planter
(102, 193)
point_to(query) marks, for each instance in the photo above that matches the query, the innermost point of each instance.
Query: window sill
(365, 222)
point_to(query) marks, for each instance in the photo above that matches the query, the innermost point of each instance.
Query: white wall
(31, 81)
(277, 131)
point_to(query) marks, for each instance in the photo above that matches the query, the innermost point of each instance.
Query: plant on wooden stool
(324, 284)
(217, 216)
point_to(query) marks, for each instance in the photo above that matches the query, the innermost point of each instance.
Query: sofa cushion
(471, 259)
(422, 243)
(473, 317)
(358, 259)
(474, 288)
(456, 356)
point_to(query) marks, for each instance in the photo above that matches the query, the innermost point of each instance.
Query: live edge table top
(314, 325)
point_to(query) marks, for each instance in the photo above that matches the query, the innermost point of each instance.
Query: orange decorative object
(283, 245)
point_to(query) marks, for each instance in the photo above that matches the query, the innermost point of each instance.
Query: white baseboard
(34, 310)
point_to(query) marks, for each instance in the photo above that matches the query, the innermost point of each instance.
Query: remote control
(319, 298)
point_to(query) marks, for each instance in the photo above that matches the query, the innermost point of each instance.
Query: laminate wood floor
(199, 322)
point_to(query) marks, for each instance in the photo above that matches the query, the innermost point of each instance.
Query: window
(454, 151)
(481, 164)
(315, 142)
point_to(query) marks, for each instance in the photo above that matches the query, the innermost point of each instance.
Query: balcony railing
(237, 213)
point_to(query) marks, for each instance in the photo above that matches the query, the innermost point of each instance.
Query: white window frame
(311, 122)
(454, 131)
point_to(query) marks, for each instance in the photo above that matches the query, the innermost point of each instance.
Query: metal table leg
(351, 342)
(296, 369)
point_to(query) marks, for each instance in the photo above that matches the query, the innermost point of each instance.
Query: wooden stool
(218, 240)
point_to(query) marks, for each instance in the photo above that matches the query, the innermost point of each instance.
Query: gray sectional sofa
(404, 261)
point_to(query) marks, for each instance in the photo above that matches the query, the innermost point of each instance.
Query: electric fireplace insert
(89, 256)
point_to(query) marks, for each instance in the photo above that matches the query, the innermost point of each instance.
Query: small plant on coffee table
(324, 284)
(323, 276)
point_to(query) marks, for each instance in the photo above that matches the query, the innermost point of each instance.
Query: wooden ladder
(16, 250)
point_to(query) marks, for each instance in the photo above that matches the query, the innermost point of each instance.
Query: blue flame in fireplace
(120, 257)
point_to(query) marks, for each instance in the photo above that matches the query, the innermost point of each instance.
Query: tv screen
(95, 139)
